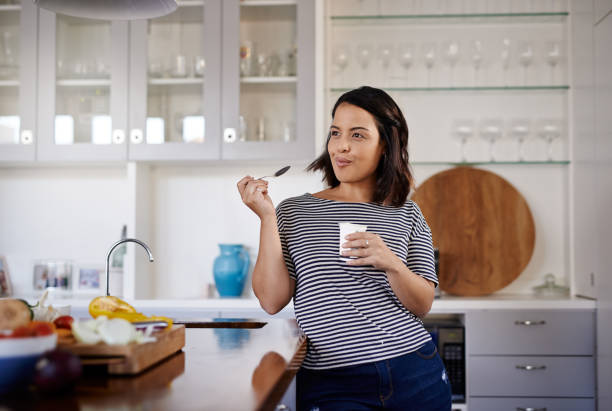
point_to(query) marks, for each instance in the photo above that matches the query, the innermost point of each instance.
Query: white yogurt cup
(346, 229)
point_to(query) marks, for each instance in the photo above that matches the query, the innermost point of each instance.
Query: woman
(360, 308)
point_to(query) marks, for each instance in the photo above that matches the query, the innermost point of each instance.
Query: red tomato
(21, 332)
(41, 328)
(65, 321)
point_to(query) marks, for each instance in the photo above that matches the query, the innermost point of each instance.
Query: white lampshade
(110, 9)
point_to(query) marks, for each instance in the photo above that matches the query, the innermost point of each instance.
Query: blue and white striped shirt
(350, 314)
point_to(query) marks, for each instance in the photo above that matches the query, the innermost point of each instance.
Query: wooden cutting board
(482, 227)
(130, 358)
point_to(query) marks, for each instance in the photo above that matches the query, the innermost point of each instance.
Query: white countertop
(231, 307)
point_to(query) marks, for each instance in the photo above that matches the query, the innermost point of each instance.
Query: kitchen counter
(218, 369)
(250, 308)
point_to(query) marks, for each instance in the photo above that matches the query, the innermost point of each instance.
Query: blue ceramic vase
(230, 270)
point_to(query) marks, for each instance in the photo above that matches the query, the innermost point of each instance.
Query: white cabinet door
(18, 81)
(175, 86)
(82, 86)
(268, 79)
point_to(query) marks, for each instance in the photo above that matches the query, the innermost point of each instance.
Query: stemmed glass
(491, 129)
(451, 51)
(477, 57)
(385, 52)
(505, 58)
(553, 56)
(429, 57)
(525, 57)
(363, 55)
(463, 129)
(406, 55)
(520, 128)
(341, 56)
(549, 130)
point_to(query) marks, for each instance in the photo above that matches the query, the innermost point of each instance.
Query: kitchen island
(218, 369)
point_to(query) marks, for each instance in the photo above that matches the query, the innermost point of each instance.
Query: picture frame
(6, 289)
(90, 278)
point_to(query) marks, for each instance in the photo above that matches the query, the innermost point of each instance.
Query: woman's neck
(351, 192)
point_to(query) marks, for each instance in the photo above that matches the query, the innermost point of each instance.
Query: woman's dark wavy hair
(394, 180)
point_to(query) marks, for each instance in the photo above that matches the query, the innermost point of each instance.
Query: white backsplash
(77, 213)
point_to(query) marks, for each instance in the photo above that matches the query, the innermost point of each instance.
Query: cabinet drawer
(532, 404)
(531, 376)
(531, 332)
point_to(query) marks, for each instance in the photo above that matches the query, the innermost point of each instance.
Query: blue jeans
(415, 381)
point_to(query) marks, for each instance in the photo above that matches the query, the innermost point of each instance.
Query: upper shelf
(476, 163)
(483, 88)
(10, 7)
(458, 18)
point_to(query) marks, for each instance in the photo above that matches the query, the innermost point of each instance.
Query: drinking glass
(553, 56)
(505, 58)
(463, 129)
(406, 55)
(477, 57)
(520, 128)
(451, 52)
(549, 129)
(341, 56)
(363, 55)
(491, 129)
(429, 57)
(199, 65)
(385, 52)
(525, 57)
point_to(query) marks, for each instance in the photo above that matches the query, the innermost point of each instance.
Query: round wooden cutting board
(482, 227)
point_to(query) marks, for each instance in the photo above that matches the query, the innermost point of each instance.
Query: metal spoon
(278, 173)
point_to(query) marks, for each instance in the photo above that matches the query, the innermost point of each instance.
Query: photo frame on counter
(90, 278)
(6, 290)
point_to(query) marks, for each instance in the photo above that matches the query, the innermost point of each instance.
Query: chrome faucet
(125, 240)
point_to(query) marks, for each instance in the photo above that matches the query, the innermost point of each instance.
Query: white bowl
(17, 347)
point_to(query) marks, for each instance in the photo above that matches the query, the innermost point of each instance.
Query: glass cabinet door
(175, 84)
(268, 79)
(17, 80)
(83, 88)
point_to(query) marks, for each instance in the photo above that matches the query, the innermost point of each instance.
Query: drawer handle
(529, 322)
(530, 367)
(530, 409)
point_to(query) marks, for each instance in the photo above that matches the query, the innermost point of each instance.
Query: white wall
(61, 213)
(77, 213)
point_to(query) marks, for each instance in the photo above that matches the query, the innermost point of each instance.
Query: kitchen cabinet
(17, 81)
(82, 96)
(171, 88)
(269, 93)
(531, 359)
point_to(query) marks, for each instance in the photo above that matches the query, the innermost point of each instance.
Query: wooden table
(219, 369)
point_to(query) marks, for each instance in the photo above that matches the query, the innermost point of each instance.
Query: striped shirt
(350, 314)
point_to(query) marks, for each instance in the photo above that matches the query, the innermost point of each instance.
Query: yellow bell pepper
(114, 307)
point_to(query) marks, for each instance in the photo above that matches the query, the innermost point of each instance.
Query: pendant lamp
(110, 9)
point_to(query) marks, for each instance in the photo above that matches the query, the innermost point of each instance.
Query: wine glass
(553, 56)
(505, 58)
(385, 52)
(525, 57)
(520, 128)
(451, 52)
(549, 129)
(477, 57)
(363, 55)
(463, 129)
(406, 55)
(429, 57)
(491, 129)
(341, 57)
